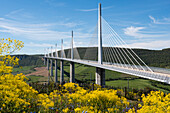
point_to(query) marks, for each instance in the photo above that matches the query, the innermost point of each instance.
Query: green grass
(115, 79)
(25, 70)
(136, 84)
(86, 74)
(34, 78)
(83, 72)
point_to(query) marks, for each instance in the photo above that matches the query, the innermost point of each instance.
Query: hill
(30, 60)
(155, 58)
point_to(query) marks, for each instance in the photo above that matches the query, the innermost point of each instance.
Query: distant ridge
(155, 58)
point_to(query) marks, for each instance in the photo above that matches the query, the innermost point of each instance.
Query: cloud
(133, 31)
(14, 12)
(137, 33)
(31, 44)
(55, 3)
(87, 10)
(19, 14)
(1, 18)
(70, 24)
(158, 44)
(163, 21)
(153, 19)
(43, 31)
(95, 9)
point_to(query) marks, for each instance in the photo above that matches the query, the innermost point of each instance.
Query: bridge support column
(51, 74)
(72, 72)
(61, 72)
(44, 61)
(56, 77)
(100, 76)
(48, 64)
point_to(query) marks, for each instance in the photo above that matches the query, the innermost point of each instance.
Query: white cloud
(19, 15)
(55, 3)
(14, 12)
(133, 31)
(31, 44)
(158, 44)
(163, 21)
(153, 19)
(42, 31)
(70, 24)
(1, 18)
(95, 9)
(39, 31)
(87, 10)
(137, 33)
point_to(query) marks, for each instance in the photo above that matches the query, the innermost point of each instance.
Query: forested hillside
(156, 58)
(30, 60)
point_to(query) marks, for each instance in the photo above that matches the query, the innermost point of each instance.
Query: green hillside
(30, 60)
(155, 58)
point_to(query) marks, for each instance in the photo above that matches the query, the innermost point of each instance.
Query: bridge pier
(45, 61)
(56, 74)
(100, 76)
(72, 72)
(61, 72)
(48, 64)
(51, 73)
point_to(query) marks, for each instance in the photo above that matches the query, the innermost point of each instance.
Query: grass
(34, 78)
(134, 84)
(115, 79)
(25, 70)
(87, 74)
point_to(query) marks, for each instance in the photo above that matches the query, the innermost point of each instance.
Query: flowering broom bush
(72, 98)
(15, 94)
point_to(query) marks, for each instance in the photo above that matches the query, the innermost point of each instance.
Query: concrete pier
(72, 72)
(45, 61)
(56, 76)
(51, 72)
(61, 72)
(48, 64)
(100, 76)
(72, 68)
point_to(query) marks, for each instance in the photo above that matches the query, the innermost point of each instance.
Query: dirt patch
(42, 71)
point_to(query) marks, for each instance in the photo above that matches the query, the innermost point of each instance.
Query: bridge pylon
(51, 72)
(100, 73)
(62, 64)
(56, 67)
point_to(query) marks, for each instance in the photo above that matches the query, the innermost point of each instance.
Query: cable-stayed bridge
(106, 50)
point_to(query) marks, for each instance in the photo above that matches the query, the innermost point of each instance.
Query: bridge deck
(141, 73)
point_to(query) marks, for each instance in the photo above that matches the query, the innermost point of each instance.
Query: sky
(41, 24)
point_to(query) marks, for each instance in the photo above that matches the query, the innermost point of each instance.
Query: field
(86, 74)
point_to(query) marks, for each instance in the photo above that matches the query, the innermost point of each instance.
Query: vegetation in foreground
(17, 96)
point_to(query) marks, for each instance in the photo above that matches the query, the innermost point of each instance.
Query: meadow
(86, 74)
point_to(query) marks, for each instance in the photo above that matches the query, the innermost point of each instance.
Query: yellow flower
(77, 110)
(65, 110)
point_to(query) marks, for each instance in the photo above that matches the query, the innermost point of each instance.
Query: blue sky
(43, 23)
